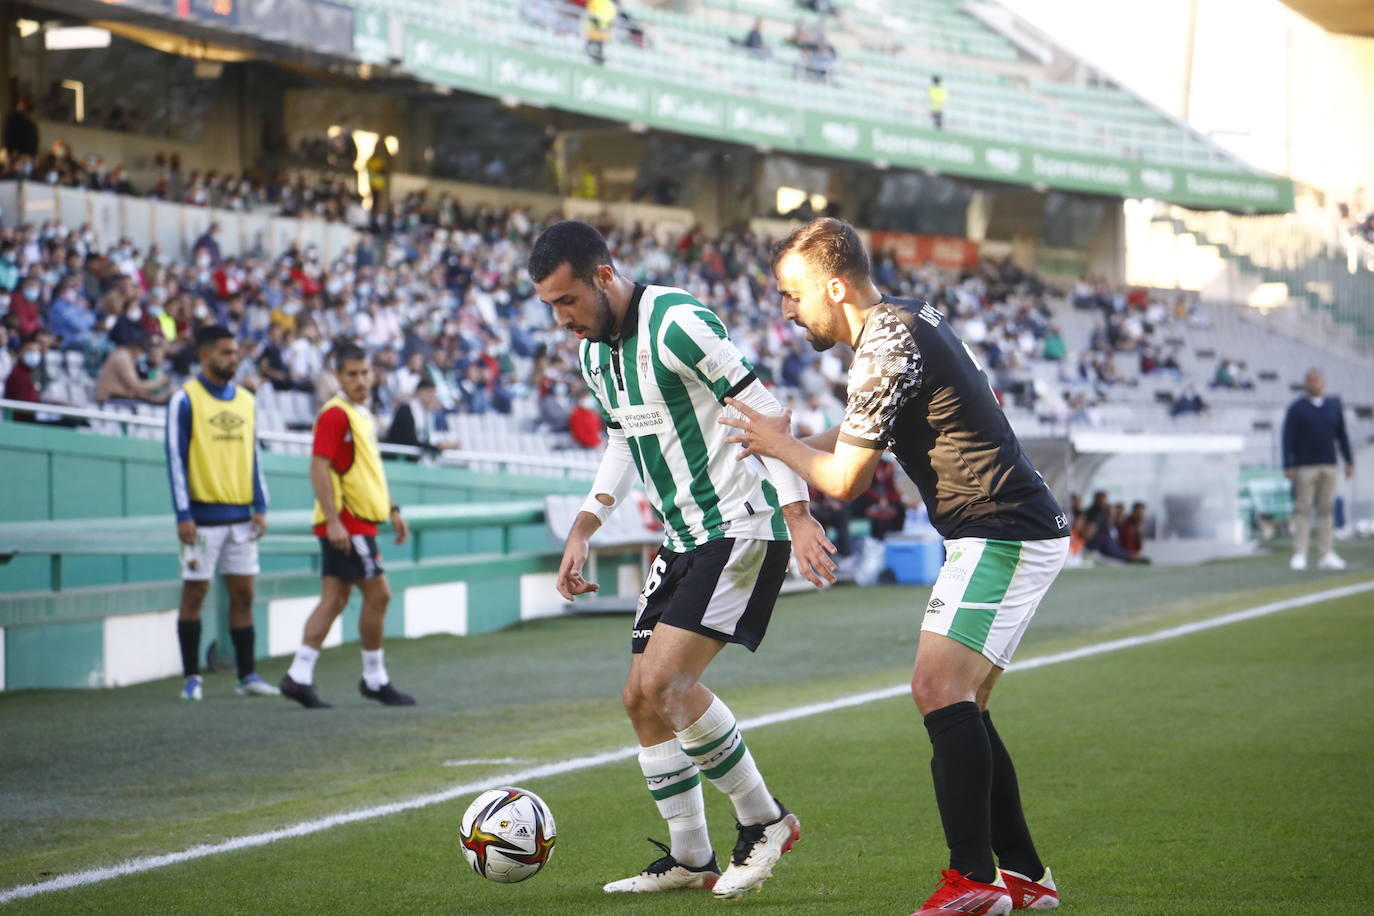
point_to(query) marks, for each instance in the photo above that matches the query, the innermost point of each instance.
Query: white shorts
(988, 590)
(227, 549)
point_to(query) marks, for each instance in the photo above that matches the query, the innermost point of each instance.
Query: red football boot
(1031, 895)
(960, 896)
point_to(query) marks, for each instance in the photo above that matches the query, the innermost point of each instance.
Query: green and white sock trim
(675, 784)
(715, 745)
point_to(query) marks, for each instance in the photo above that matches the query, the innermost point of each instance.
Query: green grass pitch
(1223, 772)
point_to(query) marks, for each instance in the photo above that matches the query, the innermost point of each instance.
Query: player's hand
(811, 548)
(760, 434)
(402, 529)
(186, 533)
(570, 581)
(1349, 470)
(259, 525)
(337, 535)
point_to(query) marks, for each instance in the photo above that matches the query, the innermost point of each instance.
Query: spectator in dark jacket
(1313, 429)
(20, 135)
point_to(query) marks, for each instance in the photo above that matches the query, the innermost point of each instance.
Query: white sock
(302, 669)
(675, 784)
(374, 669)
(715, 745)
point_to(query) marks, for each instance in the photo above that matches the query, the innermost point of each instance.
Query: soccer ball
(507, 834)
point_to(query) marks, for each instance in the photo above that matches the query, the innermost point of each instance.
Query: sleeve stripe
(739, 386)
(861, 443)
(176, 461)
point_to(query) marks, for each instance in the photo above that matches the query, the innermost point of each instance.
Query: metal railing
(582, 466)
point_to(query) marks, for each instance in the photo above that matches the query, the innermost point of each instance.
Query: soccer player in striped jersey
(661, 365)
(916, 388)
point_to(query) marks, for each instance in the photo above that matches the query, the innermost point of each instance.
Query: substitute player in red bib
(351, 500)
(915, 388)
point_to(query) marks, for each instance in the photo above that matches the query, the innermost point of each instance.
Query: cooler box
(915, 562)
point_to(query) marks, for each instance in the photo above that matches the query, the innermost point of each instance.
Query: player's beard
(824, 333)
(602, 331)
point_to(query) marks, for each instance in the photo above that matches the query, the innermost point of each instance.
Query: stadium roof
(1340, 16)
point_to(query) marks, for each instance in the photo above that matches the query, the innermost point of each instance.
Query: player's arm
(614, 477)
(887, 371)
(260, 496)
(824, 442)
(844, 473)
(329, 436)
(809, 544)
(178, 448)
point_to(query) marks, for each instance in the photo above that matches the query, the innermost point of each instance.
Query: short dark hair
(425, 383)
(830, 246)
(569, 242)
(347, 353)
(212, 334)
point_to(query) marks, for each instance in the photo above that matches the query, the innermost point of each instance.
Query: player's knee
(665, 690)
(932, 691)
(636, 704)
(380, 594)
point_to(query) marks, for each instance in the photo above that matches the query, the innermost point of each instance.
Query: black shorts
(724, 589)
(362, 562)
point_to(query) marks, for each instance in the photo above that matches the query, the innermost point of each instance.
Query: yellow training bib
(220, 463)
(362, 488)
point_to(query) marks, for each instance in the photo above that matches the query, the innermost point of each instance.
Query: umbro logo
(934, 606)
(226, 421)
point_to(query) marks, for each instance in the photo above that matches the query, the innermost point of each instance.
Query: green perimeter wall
(58, 638)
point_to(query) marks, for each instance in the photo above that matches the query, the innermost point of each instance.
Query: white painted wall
(441, 608)
(539, 597)
(141, 647)
(286, 622)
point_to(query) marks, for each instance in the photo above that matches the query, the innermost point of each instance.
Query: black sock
(1011, 838)
(962, 767)
(188, 634)
(243, 650)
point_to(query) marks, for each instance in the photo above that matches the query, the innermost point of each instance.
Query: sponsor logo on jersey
(1061, 522)
(644, 421)
(721, 358)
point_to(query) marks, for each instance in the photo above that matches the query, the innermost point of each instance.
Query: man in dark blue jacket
(1312, 429)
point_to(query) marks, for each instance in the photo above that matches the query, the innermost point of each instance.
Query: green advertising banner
(975, 157)
(372, 36)
(455, 60)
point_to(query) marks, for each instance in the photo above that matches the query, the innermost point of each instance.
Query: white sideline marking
(305, 828)
(485, 760)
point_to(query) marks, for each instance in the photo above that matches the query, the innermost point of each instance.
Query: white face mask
(202, 312)
(134, 314)
(32, 358)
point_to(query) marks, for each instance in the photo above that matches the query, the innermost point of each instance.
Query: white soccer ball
(507, 834)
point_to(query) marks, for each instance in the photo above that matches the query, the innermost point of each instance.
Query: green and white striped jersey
(663, 383)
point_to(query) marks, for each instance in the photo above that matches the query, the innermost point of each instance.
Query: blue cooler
(915, 562)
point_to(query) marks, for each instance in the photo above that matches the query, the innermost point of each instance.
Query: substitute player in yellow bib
(220, 498)
(351, 500)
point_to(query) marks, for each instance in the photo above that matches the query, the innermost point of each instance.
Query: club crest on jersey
(644, 364)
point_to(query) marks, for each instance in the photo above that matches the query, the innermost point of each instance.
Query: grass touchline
(148, 863)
